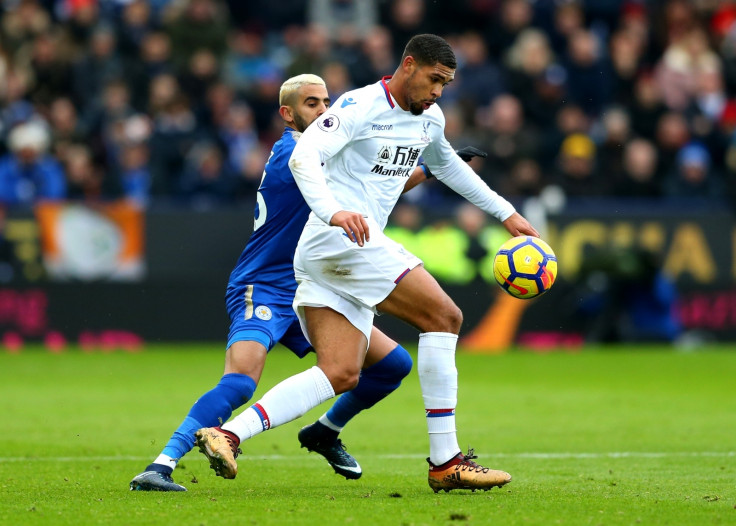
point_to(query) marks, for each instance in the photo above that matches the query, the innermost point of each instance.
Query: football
(525, 267)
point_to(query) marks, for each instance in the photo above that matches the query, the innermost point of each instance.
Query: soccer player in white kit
(351, 166)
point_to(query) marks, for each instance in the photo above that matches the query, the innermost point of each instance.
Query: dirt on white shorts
(334, 272)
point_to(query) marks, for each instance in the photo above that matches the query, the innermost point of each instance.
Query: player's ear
(286, 113)
(408, 64)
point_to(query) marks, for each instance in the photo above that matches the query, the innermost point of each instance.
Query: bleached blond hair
(291, 86)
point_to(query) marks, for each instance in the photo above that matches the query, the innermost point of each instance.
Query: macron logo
(347, 102)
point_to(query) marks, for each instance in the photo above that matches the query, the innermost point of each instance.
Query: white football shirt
(358, 155)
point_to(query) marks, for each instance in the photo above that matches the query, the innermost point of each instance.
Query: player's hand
(518, 226)
(467, 153)
(354, 225)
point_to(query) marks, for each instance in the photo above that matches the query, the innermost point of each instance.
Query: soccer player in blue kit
(259, 301)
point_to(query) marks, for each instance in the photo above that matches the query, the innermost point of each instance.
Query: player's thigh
(246, 357)
(339, 345)
(380, 346)
(420, 301)
(362, 275)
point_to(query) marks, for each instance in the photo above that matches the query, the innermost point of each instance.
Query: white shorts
(334, 272)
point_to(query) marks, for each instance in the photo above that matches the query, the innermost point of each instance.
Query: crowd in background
(174, 101)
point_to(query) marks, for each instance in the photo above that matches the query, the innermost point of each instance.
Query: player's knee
(449, 319)
(344, 381)
(402, 364)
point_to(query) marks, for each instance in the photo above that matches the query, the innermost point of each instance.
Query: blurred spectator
(377, 58)
(52, 71)
(613, 133)
(86, 181)
(65, 127)
(679, 70)
(201, 24)
(589, 75)
(135, 24)
(238, 135)
(569, 119)
(251, 171)
(693, 177)
(28, 174)
(568, 18)
(638, 176)
(246, 62)
(405, 18)
(479, 80)
(534, 76)
(162, 91)
(21, 26)
(514, 16)
(174, 132)
(134, 174)
(626, 50)
(202, 72)
(343, 19)
(710, 95)
(506, 136)
(80, 18)
(647, 107)
(337, 78)
(97, 67)
(206, 181)
(577, 171)
(672, 134)
(675, 20)
(154, 59)
(313, 54)
(103, 116)
(525, 179)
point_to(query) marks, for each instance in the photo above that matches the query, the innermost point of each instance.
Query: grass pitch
(606, 436)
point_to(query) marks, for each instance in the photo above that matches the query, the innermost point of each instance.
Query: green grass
(606, 436)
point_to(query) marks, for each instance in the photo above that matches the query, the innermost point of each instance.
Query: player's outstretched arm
(422, 173)
(517, 225)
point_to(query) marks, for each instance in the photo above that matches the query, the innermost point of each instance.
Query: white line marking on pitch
(540, 456)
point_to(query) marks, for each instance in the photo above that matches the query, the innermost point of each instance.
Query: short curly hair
(429, 50)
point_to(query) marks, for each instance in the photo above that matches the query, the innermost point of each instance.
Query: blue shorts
(264, 314)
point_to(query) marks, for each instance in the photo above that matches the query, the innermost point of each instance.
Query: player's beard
(416, 108)
(300, 123)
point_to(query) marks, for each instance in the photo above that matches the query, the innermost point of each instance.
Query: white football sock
(166, 460)
(285, 402)
(328, 423)
(438, 379)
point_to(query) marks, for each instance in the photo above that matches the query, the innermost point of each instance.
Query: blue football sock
(376, 383)
(212, 409)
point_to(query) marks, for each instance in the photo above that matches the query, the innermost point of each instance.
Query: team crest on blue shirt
(329, 124)
(263, 313)
(425, 132)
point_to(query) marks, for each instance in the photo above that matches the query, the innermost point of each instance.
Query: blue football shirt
(280, 215)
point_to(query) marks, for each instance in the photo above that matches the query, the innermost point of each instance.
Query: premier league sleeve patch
(329, 123)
